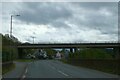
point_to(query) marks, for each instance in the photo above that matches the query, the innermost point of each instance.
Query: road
(57, 69)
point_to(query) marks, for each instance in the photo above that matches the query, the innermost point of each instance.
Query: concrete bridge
(72, 46)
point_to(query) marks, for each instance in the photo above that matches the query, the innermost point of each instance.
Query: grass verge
(108, 66)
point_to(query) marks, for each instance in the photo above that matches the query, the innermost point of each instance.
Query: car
(42, 56)
(33, 57)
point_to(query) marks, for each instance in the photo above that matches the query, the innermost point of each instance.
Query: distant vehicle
(29, 56)
(32, 57)
(58, 55)
(45, 55)
(42, 55)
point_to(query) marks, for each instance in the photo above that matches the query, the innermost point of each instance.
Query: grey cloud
(56, 14)
(100, 22)
(43, 13)
(98, 5)
(60, 24)
(95, 20)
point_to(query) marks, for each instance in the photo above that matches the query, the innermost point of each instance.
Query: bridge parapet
(70, 45)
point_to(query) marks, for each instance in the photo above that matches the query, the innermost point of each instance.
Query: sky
(61, 22)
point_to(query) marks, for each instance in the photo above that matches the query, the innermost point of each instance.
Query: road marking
(26, 71)
(63, 73)
(23, 76)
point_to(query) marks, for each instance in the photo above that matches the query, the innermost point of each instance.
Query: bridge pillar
(20, 53)
(71, 50)
(117, 52)
(75, 50)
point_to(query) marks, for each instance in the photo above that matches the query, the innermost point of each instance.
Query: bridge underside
(70, 45)
(115, 46)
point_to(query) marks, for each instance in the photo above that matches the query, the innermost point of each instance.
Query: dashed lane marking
(23, 76)
(63, 73)
(26, 71)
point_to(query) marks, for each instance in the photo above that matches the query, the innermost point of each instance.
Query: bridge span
(70, 45)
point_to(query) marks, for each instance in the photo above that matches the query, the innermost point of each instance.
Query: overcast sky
(62, 21)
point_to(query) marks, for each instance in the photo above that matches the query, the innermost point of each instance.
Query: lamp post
(11, 25)
(33, 38)
(11, 35)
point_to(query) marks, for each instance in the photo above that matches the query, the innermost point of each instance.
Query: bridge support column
(75, 50)
(117, 52)
(71, 50)
(20, 53)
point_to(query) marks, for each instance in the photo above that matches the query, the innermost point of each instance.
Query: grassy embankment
(10, 53)
(97, 59)
(109, 66)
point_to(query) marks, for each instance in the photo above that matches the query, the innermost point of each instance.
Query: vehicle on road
(58, 55)
(29, 56)
(42, 55)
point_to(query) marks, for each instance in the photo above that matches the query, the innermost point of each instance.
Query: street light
(11, 24)
(33, 38)
(11, 35)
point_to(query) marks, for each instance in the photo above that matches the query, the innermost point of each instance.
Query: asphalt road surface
(57, 69)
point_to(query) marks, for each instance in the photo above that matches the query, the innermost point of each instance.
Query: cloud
(99, 16)
(43, 13)
(63, 21)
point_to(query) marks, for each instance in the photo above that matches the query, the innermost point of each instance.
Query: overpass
(69, 45)
(72, 46)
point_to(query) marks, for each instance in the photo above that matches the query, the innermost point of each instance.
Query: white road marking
(23, 76)
(26, 71)
(59, 71)
(63, 73)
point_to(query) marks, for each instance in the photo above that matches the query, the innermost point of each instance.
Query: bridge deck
(70, 45)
